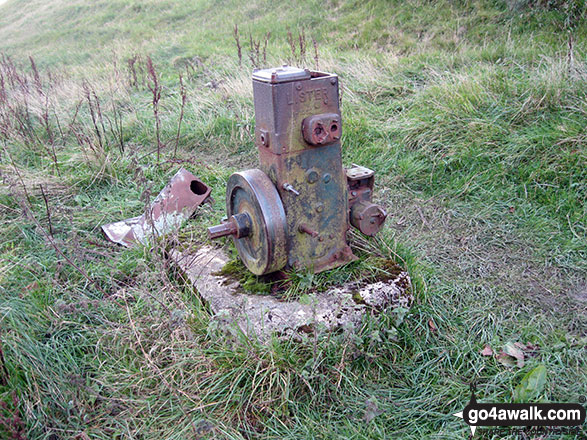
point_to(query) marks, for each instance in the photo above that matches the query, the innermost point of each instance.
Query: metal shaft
(238, 225)
(228, 228)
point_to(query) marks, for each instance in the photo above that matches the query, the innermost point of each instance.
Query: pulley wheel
(263, 249)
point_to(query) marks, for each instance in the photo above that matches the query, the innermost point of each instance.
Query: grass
(471, 113)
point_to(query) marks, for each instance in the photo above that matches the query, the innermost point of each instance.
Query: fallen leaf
(32, 286)
(399, 313)
(371, 409)
(487, 351)
(432, 326)
(506, 360)
(513, 351)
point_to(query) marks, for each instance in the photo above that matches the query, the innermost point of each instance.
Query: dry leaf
(506, 360)
(512, 350)
(371, 409)
(487, 351)
(32, 286)
(432, 326)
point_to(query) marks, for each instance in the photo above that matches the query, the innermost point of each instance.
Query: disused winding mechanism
(295, 210)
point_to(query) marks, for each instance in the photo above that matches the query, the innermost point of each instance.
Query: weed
(316, 57)
(11, 423)
(155, 88)
(297, 48)
(183, 95)
(254, 51)
(238, 45)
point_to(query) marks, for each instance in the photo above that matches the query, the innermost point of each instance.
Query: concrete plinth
(261, 316)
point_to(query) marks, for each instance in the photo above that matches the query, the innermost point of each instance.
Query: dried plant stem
(265, 48)
(48, 210)
(238, 45)
(183, 94)
(155, 88)
(316, 59)
(91, 107)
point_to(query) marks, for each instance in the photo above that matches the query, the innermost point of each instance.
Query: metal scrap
(174, 205)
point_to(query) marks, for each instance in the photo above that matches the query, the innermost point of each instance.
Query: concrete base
(260, 316)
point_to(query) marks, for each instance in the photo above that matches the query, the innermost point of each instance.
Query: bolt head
(312, 176)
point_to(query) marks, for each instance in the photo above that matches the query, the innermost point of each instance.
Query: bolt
(298, 86)
(291, 189)
(305, 229)
(326, 178)
(354, 193)
(333, 81)
(312, 176)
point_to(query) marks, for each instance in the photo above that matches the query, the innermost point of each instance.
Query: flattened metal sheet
(174, 205)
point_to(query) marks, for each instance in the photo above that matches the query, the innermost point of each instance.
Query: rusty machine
(295, 209)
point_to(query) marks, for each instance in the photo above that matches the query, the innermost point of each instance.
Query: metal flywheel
(256, 221)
